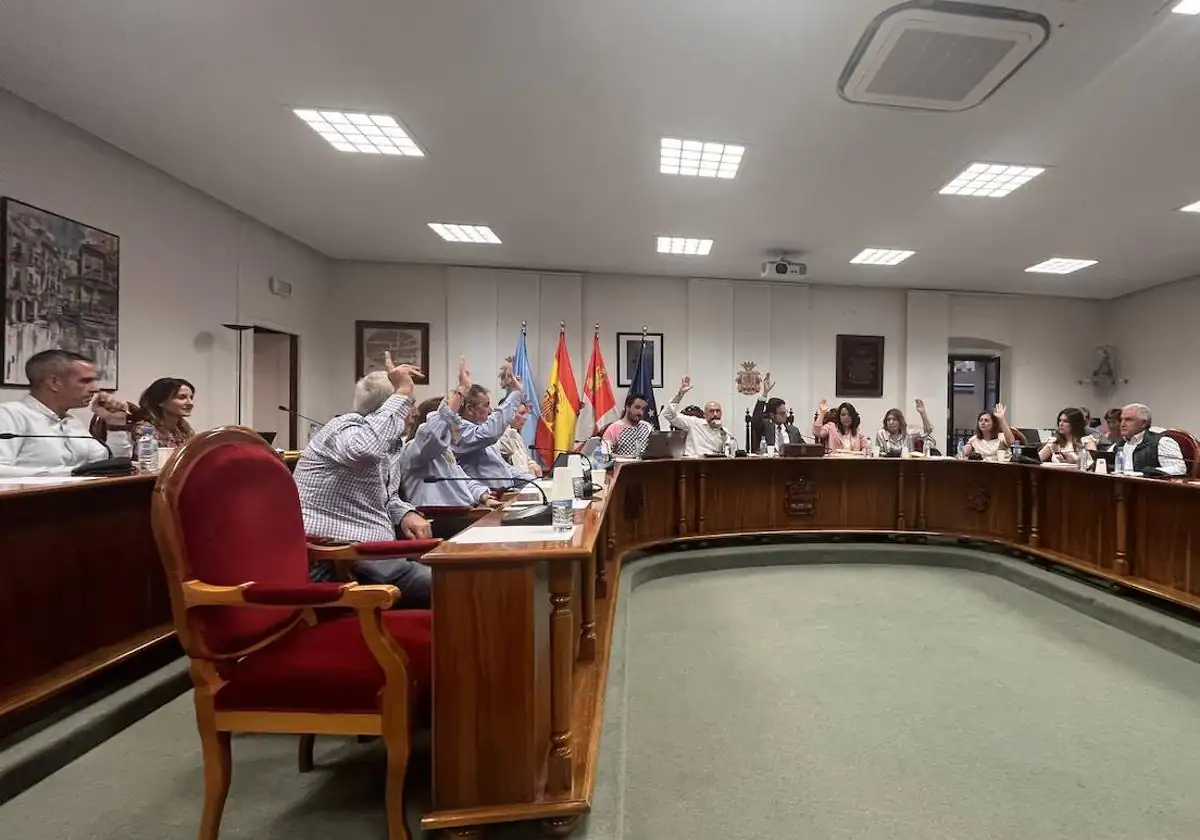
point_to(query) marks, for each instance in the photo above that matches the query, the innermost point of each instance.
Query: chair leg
(217, 770)
(398, 749)
(306, 752)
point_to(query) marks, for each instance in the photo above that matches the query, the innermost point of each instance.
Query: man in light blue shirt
(477, 446)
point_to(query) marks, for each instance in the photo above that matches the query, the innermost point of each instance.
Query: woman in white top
(894, 438)
(993, 438)
(1071, 442)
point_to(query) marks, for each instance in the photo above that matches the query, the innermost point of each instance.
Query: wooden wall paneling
(731, 503)
(972, 498)
(1166, 538)
(1069, 502)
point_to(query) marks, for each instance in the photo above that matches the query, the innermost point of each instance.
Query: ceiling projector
(782, 269)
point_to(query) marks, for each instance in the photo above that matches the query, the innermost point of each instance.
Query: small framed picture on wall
(408, 342)
(629, 346)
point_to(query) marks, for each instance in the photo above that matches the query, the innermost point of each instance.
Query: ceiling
(542, 119)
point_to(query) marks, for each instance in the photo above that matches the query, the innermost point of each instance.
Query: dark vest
(1145, 454)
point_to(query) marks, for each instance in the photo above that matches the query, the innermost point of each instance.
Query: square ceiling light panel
(699, 158)
(991, 180)
(469, 234)
(940, 55)
(881, 256)
(684, 245)
(1187, 7)
(1060, 265)
(1191, 208)
(368, 134)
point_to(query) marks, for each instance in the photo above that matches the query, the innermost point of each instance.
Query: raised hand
(685, 385)
(999, 411)
(464, 375)
(823, 408)
(767, 384)
(920, 406)
(509, 380)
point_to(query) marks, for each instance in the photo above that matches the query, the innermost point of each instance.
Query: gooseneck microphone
(526, 515)
(287, 410)
(16, 436)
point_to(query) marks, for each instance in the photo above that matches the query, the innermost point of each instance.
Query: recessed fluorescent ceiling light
(474, 234)
(1187, 7)
(704, 159)
(881, 256)
(1060, 265)
(1191, 208)
(684, 245)
(991, 180)
(368, 134)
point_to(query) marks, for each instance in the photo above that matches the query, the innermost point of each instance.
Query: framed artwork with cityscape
(407, 342)
(62, 289)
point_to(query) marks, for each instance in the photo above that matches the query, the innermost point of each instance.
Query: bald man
(705, 435)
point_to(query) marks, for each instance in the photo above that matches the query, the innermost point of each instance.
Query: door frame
(951, 358)
(293, 379)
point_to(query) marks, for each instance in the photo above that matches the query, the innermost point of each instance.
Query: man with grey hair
(46, 438)
(1142, 449)
(481, 428)
(346, 489)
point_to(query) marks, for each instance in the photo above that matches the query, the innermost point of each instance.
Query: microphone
(530, 515)
(287, 410)
(15, 436)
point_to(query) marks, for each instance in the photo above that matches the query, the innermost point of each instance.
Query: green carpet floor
(852, 701)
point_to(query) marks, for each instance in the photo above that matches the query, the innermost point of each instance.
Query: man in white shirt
(512, 445)
(1144, 449)
(705, 436)
(47, 440)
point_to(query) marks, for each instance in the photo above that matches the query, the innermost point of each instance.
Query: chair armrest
(297, 596)
(341, 552)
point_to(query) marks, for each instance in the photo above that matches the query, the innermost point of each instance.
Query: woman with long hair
(993, 438)
(1072, 441)
(839, 429)
(893, 438)
(166, 405)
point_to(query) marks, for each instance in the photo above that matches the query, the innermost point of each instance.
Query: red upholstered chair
(226, 518)
(1190, 449)
(343, 554)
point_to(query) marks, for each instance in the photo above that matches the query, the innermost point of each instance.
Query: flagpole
(595, 377)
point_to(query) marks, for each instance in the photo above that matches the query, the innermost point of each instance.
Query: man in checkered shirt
(627, 437)
(344, 482)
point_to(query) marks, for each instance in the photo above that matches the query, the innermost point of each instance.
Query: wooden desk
(521, 631)
(81, 586)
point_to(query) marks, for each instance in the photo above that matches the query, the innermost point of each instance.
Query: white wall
(711, 326)
(1155, 335)
(188, 264)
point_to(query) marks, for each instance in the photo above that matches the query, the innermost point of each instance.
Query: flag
(524, 371)
(643, 382)
(560, 406)
(598, 388)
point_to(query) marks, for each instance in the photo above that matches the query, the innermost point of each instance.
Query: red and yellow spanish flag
(560, 406)
(597, 388)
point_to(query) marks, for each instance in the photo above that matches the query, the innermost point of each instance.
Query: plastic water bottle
(762, 446)
(562, 501)
(146, 449)
(1120, 461)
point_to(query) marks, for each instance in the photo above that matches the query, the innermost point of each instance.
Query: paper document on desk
(47, 479)
(511, 534)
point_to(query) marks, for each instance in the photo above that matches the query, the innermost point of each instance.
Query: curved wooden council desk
(521, 631)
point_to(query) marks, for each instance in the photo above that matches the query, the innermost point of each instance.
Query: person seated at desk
(513, 447)
(840, 431)
(1072, 441)
(1112, 429)
(165, 405)
(705, 435)
(993, 439)
(1143, 449)
(427, 453)
(769, 421)
(627, 437)
(895, 438)
(48, 439)
(480, 429)
(345, 487)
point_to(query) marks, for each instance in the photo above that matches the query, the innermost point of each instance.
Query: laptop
(1032, 436)
(665, 445)
(803, 450)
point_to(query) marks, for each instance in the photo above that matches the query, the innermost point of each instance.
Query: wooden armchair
(343, 555)
(1190, 449)
(226, 518)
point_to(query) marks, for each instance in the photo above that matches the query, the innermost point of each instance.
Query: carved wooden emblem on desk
(633, 502)
(800, 497)
(979, 498)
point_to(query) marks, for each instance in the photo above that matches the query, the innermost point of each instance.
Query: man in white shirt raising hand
(705, 436)
(46, 439)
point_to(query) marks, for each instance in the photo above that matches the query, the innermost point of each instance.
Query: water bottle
(1120, 461)
(562, 501)
(762, 446)
(146, 449)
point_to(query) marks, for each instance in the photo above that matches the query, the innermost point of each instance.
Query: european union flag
(643, 383)
(524, 372)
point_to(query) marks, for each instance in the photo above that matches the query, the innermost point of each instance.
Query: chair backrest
(225, 512)
(1189, 447)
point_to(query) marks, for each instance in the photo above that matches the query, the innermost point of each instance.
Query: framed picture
(408, 343)
(629, 345)
(61, 289)
(859, 366)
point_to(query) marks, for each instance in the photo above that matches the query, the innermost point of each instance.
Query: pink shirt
(835, 440)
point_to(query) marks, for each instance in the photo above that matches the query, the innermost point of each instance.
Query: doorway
(276, 383)
(973, 387)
